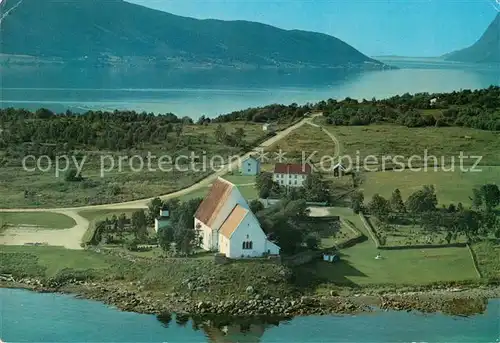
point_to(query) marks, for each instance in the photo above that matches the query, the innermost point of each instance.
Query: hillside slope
(116, 31)
(485, 50)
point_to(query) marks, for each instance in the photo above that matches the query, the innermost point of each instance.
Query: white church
(227, 225)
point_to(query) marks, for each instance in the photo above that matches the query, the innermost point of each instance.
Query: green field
(48, 261)
(127, 180)
(488, 258)
(40, 219)
(358, 266)
(381, 140)
(451, 187)
(305, 140)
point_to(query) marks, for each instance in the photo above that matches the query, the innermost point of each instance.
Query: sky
(375, 27)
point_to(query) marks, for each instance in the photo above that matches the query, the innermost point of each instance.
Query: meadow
(47, 220)
(451, 187)
(22, 188)
(391, 140)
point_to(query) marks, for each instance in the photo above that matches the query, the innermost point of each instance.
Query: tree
(154, 208)
(265, 184)
(422, 201)
(487, 195)
(316, 189)
(256, 206)
(312, 242)
(185, 235)
(357, 200)
(166, 238)
(397, 204)
(139, 225)
(220, 134)
(380, 207)
(72, 175)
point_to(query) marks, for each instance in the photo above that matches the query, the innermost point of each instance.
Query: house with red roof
(291, 174)
(226, 224)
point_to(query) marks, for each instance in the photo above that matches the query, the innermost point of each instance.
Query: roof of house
(251, 158)
(214, 201)
(233, 221)
(290, 168)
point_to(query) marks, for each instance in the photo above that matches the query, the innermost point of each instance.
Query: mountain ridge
(118, 32)
(485, 50)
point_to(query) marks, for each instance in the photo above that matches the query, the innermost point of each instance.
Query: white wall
(290, 180)
(248, 230)
(207, 242)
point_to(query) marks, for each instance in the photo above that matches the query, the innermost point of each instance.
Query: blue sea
(32, 317)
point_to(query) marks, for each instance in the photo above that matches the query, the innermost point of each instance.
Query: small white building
(269, 127)
(162, 220)
(433, 101)
(291, 175)
(338, 169)
(250, 166)
(227, 225)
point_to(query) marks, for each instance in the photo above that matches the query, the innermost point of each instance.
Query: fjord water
(211, 93)
(31, 317)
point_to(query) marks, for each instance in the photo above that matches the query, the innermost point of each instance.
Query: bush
(72, 176)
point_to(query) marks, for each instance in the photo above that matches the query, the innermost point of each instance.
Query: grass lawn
(47, 220)
(348, 215)
(50, 191)
(451, 187)
(402, 267)
(380, 140)
(48, 261)
(488, 258)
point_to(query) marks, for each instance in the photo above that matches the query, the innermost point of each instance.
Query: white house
(227, 225)
(250, 166)
(162, 220)
(433, 101)
(291, 175)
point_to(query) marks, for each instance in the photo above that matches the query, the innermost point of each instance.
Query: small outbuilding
(162, 220)
(250, 166)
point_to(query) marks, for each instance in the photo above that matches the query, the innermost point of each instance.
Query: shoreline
(459, 301)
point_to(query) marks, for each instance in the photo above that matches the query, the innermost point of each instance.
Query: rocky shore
(130, 297)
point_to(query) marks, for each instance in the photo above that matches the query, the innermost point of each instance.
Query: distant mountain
(485, 50)
(114, 32)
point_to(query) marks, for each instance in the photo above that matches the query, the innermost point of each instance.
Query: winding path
(71, 238)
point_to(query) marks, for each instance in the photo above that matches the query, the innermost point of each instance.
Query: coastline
(457, 301)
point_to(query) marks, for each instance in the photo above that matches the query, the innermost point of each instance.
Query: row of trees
(477, 109)
(421, 206)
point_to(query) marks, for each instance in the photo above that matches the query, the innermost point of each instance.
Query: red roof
(290, 168)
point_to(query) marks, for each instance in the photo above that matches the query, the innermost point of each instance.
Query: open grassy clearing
(348, 215)
(488, 258)
(47, 220)
(126, 180)
(451, 187)
(48, 261)
(358, 266)
(49, 191)
(380, 140)
(303, 142)
(238, 179)
(169, 276)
